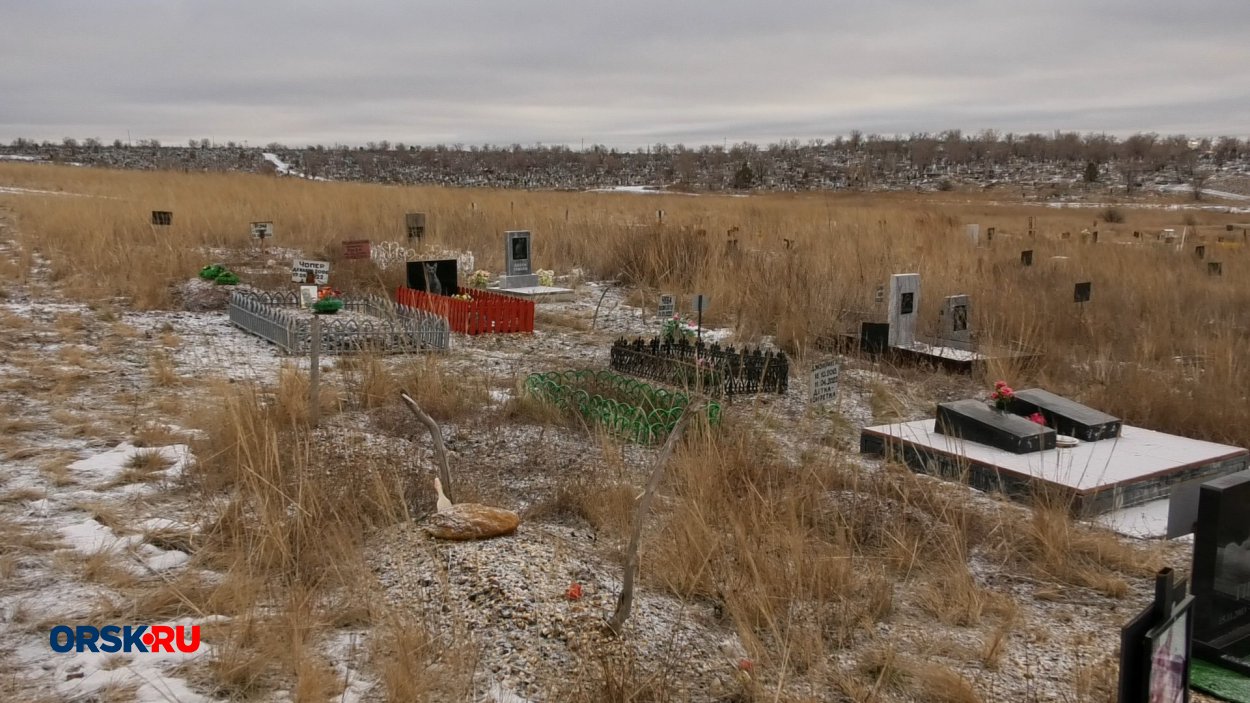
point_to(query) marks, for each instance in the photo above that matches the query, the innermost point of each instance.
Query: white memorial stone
(904, 308)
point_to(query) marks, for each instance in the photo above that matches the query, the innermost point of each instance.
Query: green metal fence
(624, 406)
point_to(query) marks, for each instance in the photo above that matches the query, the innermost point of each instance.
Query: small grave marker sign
(668, 305)
(262, 230)
(162, 218)
(414, 223)
(1081, 292)
(824, 381)
(304, 269)
(357, 249)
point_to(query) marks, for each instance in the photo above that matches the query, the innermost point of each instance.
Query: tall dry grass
(1151, 304)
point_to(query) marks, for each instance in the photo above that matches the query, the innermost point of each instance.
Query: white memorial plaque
(320, 271)
(824, 381)
(262, 230)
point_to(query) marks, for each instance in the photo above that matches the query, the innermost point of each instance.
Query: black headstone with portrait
(1155, 646)
(1221, 572)
(435, 277)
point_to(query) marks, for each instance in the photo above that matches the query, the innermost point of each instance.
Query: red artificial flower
(574, 592)
(1037, 417)
(745, 665)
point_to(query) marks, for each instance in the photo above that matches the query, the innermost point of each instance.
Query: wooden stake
(314, 373)
(436, 434)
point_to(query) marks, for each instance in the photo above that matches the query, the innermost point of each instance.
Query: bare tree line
(857, 161)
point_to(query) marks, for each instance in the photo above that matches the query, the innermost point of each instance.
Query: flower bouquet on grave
(546, 277)
(1002, 396)
(328, 301)
(676, 329)
(462, 296)
(479, 278)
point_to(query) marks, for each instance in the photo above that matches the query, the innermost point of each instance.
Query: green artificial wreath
(210, 273)
(227, 278)
(327, 306)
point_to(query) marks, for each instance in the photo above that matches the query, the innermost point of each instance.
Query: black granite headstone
(874, 337)
(436, 277)
(162, 218)
(1155, 646)
(1221, 572)
(1215, 268)
(975, 421)
(1066, 416)
(1200, 251)
(1026, 257)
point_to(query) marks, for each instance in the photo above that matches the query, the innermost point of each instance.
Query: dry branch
(626, 599)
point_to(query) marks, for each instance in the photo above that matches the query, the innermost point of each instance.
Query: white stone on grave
(904, 308)
(974, 234)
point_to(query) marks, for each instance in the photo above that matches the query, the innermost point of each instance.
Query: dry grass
(800, 560)
(846, 245)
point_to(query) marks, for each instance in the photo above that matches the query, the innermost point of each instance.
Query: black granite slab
(1068, 417)
(975, 421)
(438, 277)
(1221, 572)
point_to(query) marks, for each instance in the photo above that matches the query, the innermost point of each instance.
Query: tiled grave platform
(1140, 466)
(539, 294)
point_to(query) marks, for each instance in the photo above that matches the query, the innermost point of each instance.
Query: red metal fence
(487, 313)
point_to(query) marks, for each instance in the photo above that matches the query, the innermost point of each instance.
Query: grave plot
(1114, 466)
(434, 286)
(624, 406)
(519, 278)
(473, 312)
(952, 348)
(715, 369)
(372, 324)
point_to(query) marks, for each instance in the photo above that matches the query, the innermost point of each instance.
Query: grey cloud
(625, 74)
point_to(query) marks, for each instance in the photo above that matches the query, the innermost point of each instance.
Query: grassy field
(1151, 304)
(838, 583)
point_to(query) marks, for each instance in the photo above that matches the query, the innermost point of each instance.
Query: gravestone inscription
(824, 381)
(668, 305)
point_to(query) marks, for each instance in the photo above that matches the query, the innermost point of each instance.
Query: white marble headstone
(904, 308)
(974, 234)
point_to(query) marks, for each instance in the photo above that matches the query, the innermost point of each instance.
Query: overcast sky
(623, 73)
